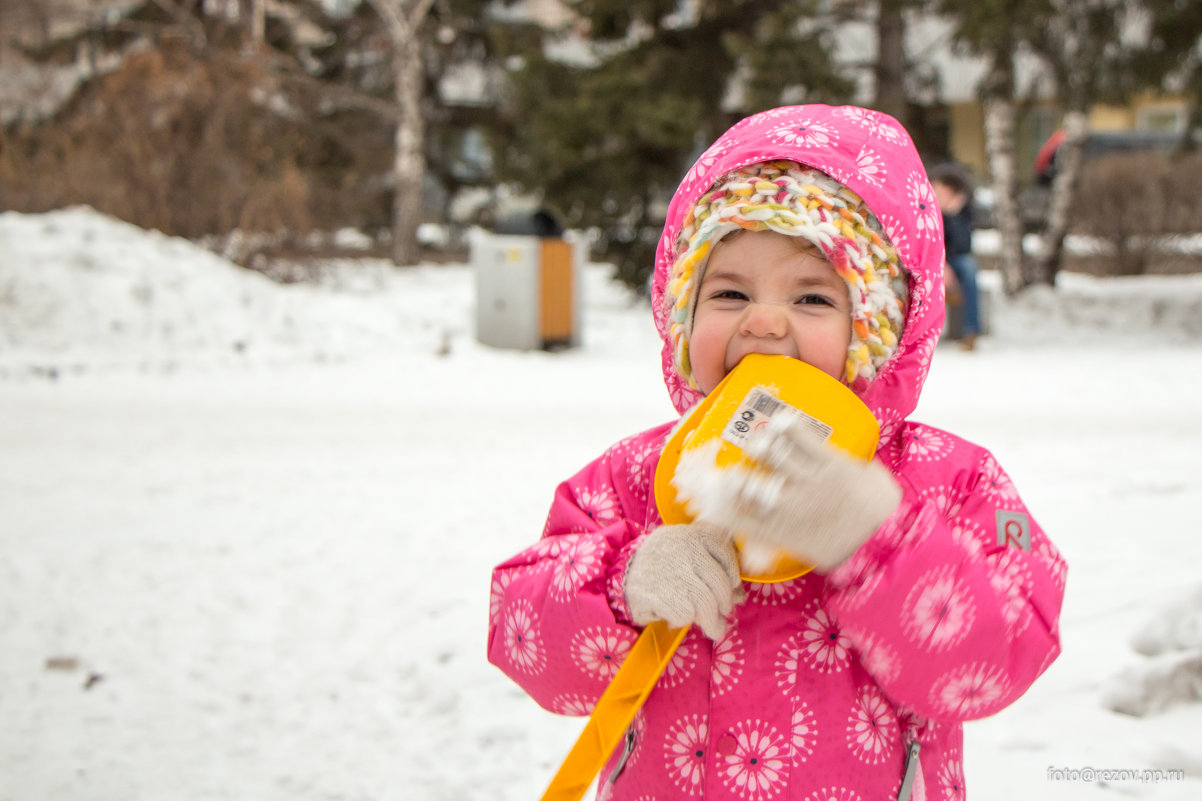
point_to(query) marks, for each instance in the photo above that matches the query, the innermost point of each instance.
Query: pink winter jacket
(823, 683)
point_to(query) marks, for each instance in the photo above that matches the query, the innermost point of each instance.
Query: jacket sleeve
(954, 602)
(558, 623)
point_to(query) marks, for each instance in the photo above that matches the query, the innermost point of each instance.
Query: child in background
(813, 232)
(953, 192)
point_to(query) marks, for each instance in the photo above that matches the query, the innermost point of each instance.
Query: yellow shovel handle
(615, 710)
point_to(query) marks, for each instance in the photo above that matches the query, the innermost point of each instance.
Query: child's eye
(815, 300)
(729, 294)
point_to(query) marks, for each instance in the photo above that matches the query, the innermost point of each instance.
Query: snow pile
(1126, 310)
(1172, 639)
(80, 289)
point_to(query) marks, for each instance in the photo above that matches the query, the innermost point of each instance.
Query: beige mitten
(807, 498)
(684, 574)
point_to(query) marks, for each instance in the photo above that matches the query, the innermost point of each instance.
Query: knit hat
(795, 200)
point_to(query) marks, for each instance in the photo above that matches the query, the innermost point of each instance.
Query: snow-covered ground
(247, 529)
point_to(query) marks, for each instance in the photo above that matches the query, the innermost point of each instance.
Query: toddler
(813, 232)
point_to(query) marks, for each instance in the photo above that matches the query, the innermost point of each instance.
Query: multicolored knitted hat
(796, 200)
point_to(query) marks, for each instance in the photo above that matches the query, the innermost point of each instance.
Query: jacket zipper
(914, 726)
(627, 750)
(907, 785)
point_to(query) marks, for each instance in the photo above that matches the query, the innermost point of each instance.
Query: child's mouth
(732, 364)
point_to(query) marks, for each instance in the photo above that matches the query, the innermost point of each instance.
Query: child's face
(765, 292)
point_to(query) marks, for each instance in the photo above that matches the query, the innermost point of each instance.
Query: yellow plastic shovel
(758, 388)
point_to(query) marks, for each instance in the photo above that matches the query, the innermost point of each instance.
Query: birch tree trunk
(1069, 158)
(1000, 150)
(1078, 45)
(258, 26)
(403, 20)
(998, 91)
(409, 164)
(1068, 50)
(254, 13)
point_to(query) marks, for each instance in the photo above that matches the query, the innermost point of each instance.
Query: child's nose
(765, 320)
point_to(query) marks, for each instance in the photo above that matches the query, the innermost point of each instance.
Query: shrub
(1139, 205)
(199, 145)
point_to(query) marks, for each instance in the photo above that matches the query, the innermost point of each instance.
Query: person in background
(953, 192)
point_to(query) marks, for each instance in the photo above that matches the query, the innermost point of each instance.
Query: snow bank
(1130, 311)
(1172, 639)
(80, 290)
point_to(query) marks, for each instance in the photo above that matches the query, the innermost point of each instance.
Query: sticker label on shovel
(757, 408)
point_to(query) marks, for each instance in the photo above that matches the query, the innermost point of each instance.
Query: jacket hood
(871, 154)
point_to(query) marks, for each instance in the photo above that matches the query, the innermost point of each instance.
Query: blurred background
(260, 128)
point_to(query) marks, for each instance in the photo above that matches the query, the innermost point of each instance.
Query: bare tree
(1080, 44)
(403, 20)
(893, 72)
(255, 12)
(996, 30)
(1000, 116)
(891, 65)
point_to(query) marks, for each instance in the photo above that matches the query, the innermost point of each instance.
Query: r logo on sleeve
(1013, 530)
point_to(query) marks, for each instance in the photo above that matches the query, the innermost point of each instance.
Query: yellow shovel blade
(759, 387)
(615, 710)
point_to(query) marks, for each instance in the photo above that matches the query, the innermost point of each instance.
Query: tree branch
(402, 23)
(184, 20)
(420, 11)
(345, 96)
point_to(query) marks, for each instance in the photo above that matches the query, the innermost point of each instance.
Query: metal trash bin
(528, 276)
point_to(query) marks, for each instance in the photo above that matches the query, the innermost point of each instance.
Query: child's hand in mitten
(807, 497)
(684, 574)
